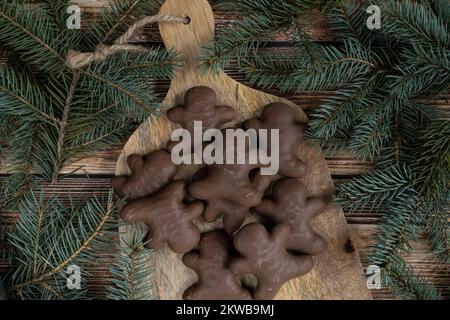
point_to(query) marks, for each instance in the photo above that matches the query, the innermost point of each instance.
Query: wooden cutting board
(337, 274)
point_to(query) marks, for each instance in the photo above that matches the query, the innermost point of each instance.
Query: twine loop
(78, 60)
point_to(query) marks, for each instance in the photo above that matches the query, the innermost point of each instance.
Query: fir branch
(413, 21)
(395, 230)
(432, 161)
(117, 19)
(379, 189)
(336, 114)
(59, 117)
(131, 272)
(408, 285)
(20, 97)
(63, 122)
(437, 228)
(329, 68)
(349, 22)
(441, 9)
(31, 33)
(264, 18)
(61, 236)
(268, 71)
(57, 11)
(373, 132)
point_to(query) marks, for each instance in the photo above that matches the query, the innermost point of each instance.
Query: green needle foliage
(132, 271)
(262, 19)
(51, 236)
(50, 113)
(406, 284)
(385, 83)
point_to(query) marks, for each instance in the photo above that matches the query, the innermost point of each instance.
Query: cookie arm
(194, 210)
(266, 289)
(260, 182)
(225, 114)
(267, 208)
(240, 266)
(281, 233)
(175, 114)
(303, 265)
(137, 211)
(316, 205)
(191, 260)
(154, 241)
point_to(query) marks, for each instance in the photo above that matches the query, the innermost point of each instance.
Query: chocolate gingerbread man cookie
(168, 218)
(291, 205)
(233, 213)
(200, 104)
(210, 262)
(291, 133)
(264, 255)
(148, 175)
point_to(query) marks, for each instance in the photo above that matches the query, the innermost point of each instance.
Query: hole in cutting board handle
(187, 20)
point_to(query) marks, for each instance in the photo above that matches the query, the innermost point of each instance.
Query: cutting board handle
(188, 39)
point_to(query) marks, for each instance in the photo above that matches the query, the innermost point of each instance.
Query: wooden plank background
(94, 176)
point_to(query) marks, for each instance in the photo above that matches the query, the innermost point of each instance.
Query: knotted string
(78, 60)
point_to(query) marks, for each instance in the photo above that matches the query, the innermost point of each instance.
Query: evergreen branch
(413, 21)
(31, 33)
(57, 10)
(328, 69)
(268, 71)
(371, 135)
(20, 97)
(63, 125)
(432, 161)
(408, 285)
(245, 37)
(441, 9)
(125, 11)
(437, 228)
(336, 114)
(395, 230)
(380, 188)
(59, 240)
(131, 272)
(263, 18)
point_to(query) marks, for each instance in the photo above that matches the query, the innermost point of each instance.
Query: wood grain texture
(337, 274)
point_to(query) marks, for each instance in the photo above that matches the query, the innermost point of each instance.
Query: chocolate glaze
(233, 213)
(264, 255)
(281, 116)
(169, 220)
(291, 205)
(148, 175)
(210, 262)
(200, 104)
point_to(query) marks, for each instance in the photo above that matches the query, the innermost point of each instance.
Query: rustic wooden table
(96, 171)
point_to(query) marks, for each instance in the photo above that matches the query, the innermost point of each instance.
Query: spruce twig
(63, 125)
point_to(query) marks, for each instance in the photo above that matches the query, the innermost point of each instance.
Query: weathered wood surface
(101, 167)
